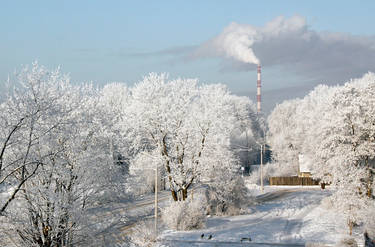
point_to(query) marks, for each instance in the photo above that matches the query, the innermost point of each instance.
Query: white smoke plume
(236, 40)
(291, 44)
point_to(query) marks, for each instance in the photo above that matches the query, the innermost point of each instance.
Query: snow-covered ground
(282, 215)
(108, 223)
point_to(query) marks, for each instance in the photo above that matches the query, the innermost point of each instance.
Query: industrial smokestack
(258, 89)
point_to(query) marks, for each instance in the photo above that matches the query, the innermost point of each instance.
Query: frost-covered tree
(349, 147)
(248, 131)
(283, 134)
(184, 122)
(114, 99)
(351, 132)
(52, 162)
(334, 127)
(23, 122)
(142, 173)
(228, 194)
(310, 112)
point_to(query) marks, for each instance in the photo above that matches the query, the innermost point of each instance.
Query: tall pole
(258, 110)
(156, 199)
(261, 167)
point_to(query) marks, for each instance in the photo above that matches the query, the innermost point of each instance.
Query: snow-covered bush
(144, 235)
(185, 215)
(227, 195)
(347, 199)
(254, 177)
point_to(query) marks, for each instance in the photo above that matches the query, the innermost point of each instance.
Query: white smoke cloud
(281, 25)
(291, 44)
(236, 40)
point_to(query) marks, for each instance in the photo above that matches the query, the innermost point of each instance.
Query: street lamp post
(261, 167)
(156, 199)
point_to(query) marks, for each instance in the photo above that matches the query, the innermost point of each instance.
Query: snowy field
(281, 216)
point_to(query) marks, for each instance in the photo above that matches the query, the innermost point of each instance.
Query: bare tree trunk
(174, 195)
(184, 194)
(350, 224)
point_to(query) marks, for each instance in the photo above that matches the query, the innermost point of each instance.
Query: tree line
(66, 147)
(333, 127)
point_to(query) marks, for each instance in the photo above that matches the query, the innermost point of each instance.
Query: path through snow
(283, 216)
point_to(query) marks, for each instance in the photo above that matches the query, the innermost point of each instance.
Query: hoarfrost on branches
(335, 128)
(54, 143)
(184, 125)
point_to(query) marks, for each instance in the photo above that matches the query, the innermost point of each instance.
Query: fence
(293, 181)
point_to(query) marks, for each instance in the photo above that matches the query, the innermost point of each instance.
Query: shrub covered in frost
(185, 215)
(227, 195)
(144, 235)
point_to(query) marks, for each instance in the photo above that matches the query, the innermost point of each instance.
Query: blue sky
(105, 41)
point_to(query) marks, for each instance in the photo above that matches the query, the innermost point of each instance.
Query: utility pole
(261, 167)
(259, 81)
(156, 199)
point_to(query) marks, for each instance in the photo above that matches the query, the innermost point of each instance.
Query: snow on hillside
(292, 216)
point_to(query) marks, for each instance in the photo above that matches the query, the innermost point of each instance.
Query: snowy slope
(292, 216)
